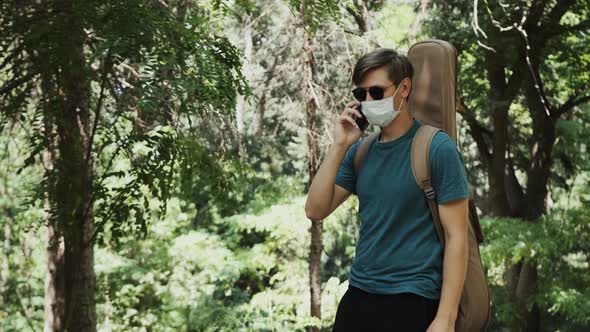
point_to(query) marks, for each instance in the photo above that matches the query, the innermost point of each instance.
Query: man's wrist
(446, 315)
(337, 146)
(341, 143)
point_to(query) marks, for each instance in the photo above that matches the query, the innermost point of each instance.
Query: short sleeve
(447, 170)
(346, 177)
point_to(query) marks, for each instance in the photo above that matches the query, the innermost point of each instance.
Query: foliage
(486, 65)
(242, 273)
(225, 241)
(559, 246)
(22, 268)
(150, 72)
(314, 12)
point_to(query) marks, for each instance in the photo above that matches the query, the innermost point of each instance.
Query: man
(398, 280)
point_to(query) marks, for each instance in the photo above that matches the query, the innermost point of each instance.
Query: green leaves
(559, 246)
(152, 70)
(314, 12)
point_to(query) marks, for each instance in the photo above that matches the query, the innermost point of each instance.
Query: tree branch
(359, 13)
(536, 12)
(538, 84)
(105, 69)
(417, 22)
(15, 83)
(477, 131)
(9, 57)
(570, 104)
(353, 32)
(514, 189)
(103, 83)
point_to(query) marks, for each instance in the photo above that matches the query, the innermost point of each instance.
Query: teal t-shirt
(398, 250)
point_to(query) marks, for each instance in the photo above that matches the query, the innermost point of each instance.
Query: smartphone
(362, 121)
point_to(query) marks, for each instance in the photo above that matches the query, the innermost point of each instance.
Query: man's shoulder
(442, 143)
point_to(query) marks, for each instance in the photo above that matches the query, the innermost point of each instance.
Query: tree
(311, 12)
(317, 84)
(530, 54)
(104, 83)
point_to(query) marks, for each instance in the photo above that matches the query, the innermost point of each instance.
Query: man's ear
(407, 87)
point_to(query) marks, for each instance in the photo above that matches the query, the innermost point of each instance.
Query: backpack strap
(420, 154)
(362, 151)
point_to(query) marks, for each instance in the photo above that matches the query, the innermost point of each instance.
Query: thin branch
(101, 96)
(419, 18)
(106, 171)
(103, 83)
(252, 22)
(120, 147)
(26, 311)
(353, 32)
(359, 15)
(538, 85)
(475, 21)
(12, 55)
(98, 227)
(12, 84)
(527, 25)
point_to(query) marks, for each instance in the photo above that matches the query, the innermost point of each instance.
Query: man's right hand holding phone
(324, 195)
(346, 129)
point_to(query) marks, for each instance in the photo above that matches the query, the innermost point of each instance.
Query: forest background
(155, 155)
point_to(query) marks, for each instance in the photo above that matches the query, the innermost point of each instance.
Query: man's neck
(398, 127)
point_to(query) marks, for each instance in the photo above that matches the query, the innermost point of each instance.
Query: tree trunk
(313, 159)
(5, 245)
(258, 122)
(507, 195)
(80, 279)
(246, 25)
(514, 191)
(54, 282)
(525, 288)
(499, 108)
(538, 174)
(72, 196)
(55, 296)
(544, 137)
(75, 206)
(313, 156)
(315, 269)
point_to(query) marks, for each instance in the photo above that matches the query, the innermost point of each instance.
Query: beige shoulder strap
(420, 154)
(362, 151)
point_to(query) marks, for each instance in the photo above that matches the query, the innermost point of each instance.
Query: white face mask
(381, 112)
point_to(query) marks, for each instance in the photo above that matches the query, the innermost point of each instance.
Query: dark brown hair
(398, 65)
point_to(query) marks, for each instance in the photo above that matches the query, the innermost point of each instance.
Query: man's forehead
(375, 77)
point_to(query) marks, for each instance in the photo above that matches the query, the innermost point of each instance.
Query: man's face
(379, 77)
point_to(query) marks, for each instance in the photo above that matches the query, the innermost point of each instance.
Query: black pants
(360, 311)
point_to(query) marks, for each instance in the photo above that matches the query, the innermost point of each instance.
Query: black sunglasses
(376, 92)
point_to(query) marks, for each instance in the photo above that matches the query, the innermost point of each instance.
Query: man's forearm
(454, 269)
(321, 191)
